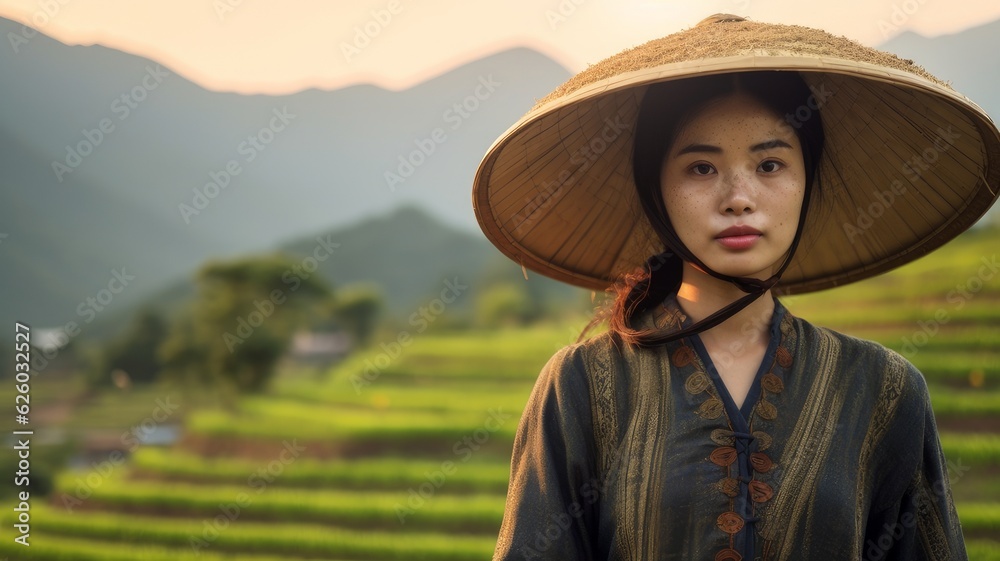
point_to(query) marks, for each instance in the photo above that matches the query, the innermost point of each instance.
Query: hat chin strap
(755, 288)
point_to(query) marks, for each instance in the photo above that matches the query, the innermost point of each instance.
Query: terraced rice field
(407, 458)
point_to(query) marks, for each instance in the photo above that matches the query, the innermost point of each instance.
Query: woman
(708, 422)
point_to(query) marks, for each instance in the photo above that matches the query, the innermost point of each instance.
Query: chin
(746, 273)
(740, 268)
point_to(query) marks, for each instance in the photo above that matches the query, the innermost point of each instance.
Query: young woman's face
(733, 183)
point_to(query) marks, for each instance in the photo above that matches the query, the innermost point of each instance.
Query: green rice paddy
(429, 434)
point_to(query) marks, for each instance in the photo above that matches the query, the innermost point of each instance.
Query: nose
(739, 195)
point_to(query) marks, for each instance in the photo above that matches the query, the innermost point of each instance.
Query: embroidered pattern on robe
(640, 454)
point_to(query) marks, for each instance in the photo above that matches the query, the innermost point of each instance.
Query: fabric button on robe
(613, 456)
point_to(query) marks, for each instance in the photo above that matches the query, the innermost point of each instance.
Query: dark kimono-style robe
(641, 454)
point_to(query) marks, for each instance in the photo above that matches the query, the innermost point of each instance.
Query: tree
(242, 322)
(357, 309)
(133, 355)
(504, 304)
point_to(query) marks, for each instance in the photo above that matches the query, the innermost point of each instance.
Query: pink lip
(739, 237)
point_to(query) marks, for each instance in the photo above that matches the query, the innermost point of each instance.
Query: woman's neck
(700, 295)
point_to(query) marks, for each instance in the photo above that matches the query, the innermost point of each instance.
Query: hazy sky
(261, 46)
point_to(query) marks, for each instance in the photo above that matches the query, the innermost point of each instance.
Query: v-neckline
(739, 416)
(743, 440)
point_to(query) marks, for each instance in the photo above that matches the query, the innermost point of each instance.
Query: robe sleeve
(923, 524)
(551, 508)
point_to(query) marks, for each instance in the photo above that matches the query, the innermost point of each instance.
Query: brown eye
(702, 169)
(769, 166)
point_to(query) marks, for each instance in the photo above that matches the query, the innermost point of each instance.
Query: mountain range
(112, 162)
(128, 200)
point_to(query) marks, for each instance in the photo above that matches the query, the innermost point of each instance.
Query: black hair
(665, 109)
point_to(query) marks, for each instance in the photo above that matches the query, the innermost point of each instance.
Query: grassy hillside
(406, 456)
(941, 312)
(406, 255)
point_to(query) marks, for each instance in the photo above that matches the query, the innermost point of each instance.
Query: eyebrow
(773, 143)
(766, 145)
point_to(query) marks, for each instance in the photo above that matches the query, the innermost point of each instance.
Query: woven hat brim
(909, 165)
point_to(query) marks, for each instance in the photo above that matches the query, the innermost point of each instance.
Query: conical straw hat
(908, 163)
